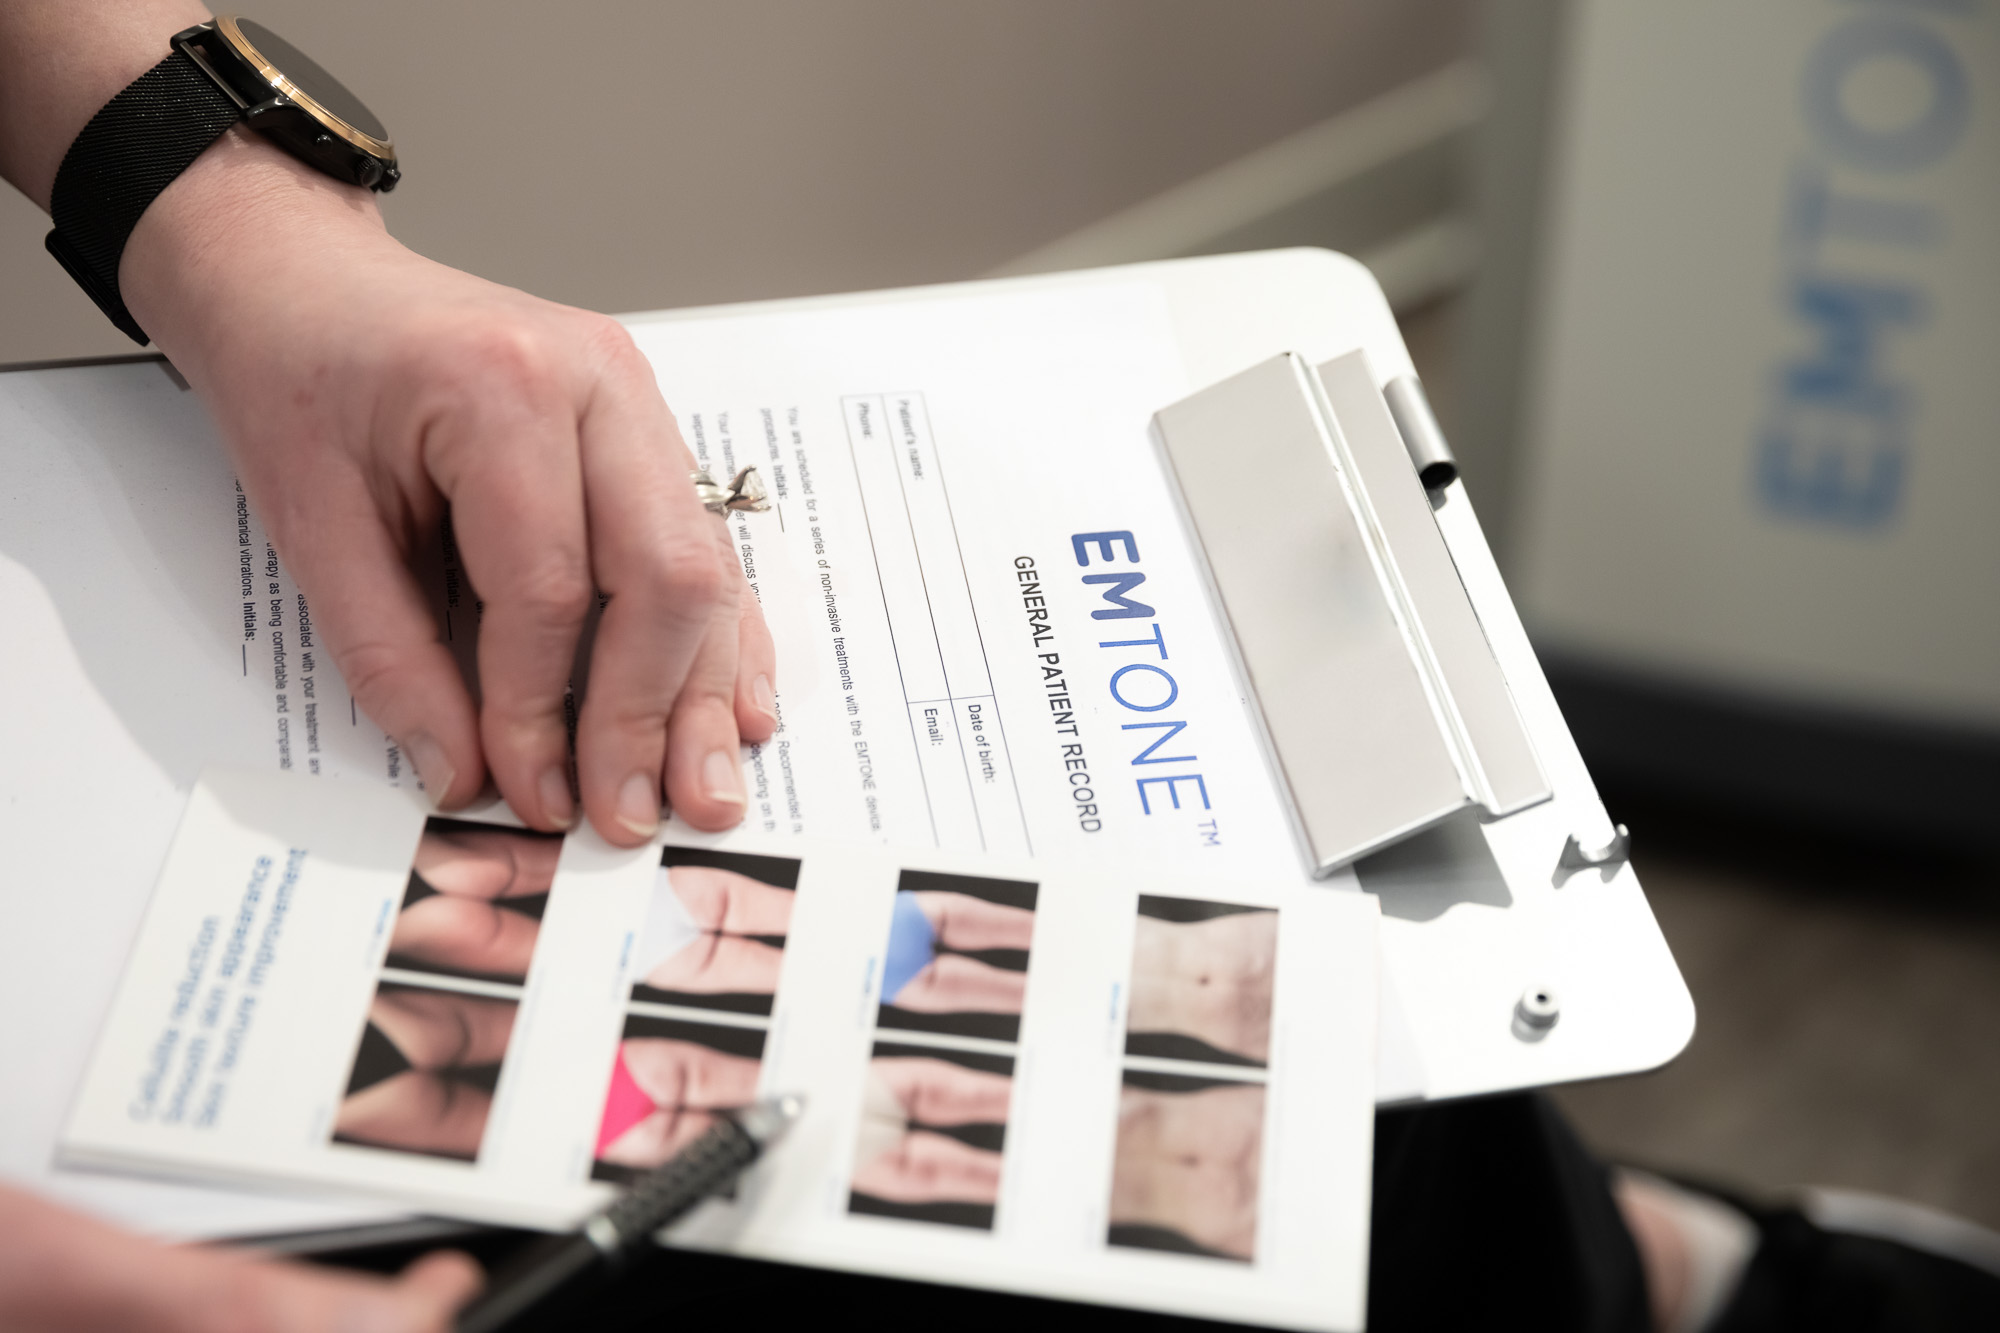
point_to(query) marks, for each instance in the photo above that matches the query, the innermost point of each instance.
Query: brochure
(1061, 1077)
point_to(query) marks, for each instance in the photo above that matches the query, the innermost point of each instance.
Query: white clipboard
(1519, 948)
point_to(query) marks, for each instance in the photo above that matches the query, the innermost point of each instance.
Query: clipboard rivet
(1535, 1013)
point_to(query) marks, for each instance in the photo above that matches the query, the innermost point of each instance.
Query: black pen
(657, 1198)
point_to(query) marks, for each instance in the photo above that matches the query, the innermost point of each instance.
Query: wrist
(244, 216)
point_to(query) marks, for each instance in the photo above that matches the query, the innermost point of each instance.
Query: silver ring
(745, 494)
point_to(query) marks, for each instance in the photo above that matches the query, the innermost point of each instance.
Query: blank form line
(999, 719)
(895, 651)
(924, 581)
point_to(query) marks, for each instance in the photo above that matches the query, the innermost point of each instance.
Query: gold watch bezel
(226, 27)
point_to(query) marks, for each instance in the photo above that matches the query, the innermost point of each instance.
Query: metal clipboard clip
(1382, 704)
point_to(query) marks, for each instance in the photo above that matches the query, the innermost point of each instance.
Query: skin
(727, 906)
(354, 420)
(938, 1092)
(460, 927)
(951, 984)
(419, 1110)
(965, 922)
(1207, 979)
(442, 1029)
(62, 1272)
(1190, 1162)
(687, 1083)
(1665, 1253)
(930, 1168)
(917, 1166)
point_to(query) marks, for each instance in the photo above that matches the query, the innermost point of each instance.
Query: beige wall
(629, 155)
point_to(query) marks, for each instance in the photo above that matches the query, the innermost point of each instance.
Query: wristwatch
(216, 75)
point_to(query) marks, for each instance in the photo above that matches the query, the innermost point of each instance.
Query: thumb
(292, 1298)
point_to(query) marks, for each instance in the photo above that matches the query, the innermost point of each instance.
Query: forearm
(60, 60)
(236, 216)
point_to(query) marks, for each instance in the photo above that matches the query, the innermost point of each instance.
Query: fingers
(307, 1300)
(704, 751)
(385, 645)
(756, 672)
(62, 1270)
(440, 1282)
(658, 560)
(508, 462)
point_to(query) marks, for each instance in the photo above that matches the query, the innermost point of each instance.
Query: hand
(457, 926)
(362, 389)
(1210, 980)
(61, 1272)
(1190, 1162)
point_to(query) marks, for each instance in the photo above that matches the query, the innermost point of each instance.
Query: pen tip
(770, 1117)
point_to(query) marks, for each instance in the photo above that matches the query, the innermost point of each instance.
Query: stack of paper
(1070, 1081)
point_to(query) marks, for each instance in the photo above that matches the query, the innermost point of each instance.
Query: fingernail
(433, 767)
(558, 806)
(724, 782)
(766, 698)
(639, 804)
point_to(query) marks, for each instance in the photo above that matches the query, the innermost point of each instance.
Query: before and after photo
(1187, 1167)
(940, 1074)
(698, 1018)
(439, 1026)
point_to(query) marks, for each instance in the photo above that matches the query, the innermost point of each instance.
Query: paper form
(995, 664)
(991, 633)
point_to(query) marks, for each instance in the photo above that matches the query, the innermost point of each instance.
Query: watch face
(299, 70)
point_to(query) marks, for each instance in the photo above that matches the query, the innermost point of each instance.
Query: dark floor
(1847, 993)
(1848, 1001)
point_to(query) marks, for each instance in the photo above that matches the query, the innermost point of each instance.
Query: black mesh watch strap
(133, 148)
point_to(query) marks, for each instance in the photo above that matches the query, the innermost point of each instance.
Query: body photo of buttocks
(669, 1081)
(715, 930)
(425, 1072)
(956, 960)
(473, 905)
(933, 1130)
